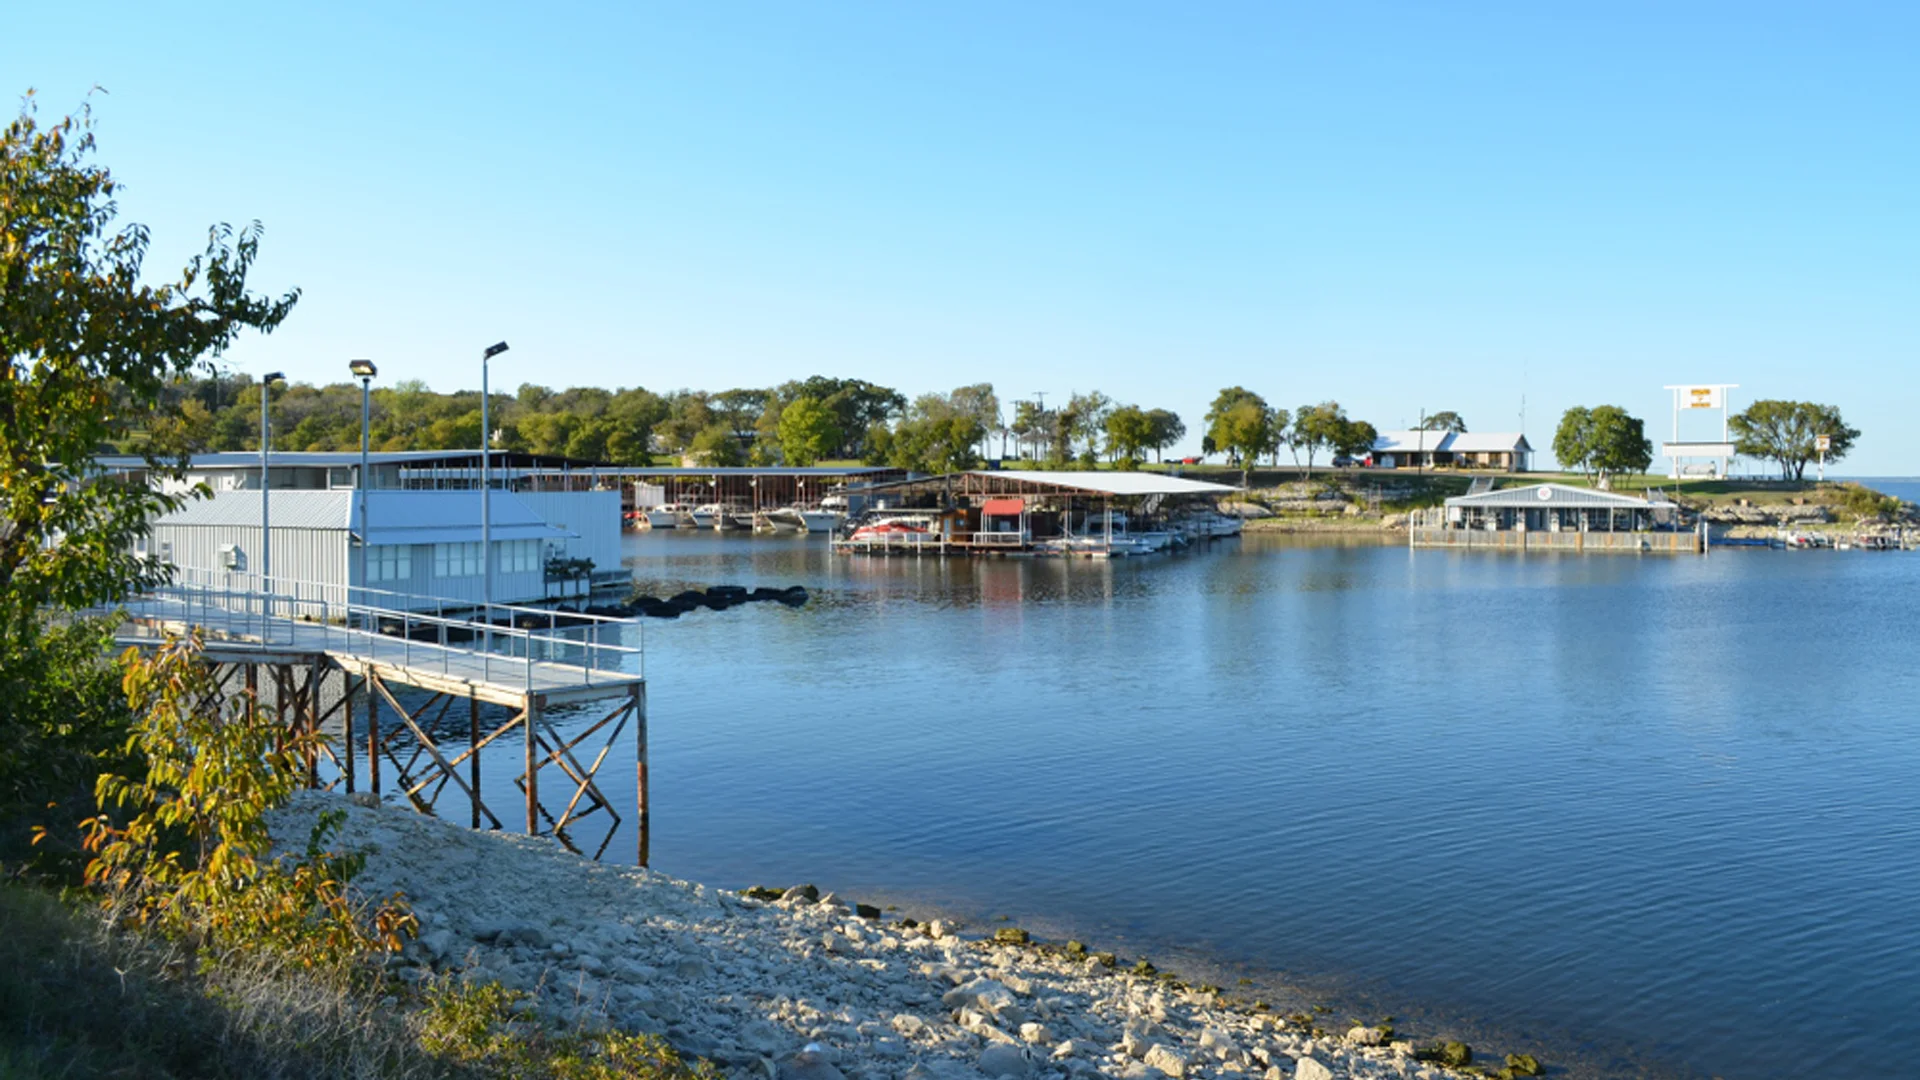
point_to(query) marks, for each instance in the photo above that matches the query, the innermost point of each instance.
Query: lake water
(1639, 815)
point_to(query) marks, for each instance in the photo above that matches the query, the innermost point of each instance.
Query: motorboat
(667, 516)
(1111, 528)
(804, 519)
(886, 528)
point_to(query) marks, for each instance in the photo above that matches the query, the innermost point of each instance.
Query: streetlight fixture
(266, 487)
(364, 371)
(486, 484)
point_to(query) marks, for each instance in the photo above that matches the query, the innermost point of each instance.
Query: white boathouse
(421, 526)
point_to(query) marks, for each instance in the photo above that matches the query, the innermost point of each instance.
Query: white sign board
(1823, 443)
(1703, 397)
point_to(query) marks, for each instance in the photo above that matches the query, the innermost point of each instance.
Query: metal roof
(1555, 496)
(397, 517)
(1111, 483)
(811, 470)
(250, 459)
(1450, 442)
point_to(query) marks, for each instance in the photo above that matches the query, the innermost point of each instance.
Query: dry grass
(79, 1001)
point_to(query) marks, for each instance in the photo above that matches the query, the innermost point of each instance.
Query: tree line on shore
(799, 422)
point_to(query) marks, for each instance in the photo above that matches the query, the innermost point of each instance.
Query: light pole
(266, 488)
(364, 371)
(486, 484)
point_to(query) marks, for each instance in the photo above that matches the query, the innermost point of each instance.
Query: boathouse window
(390, 562)
(519, 556)
(457, 560)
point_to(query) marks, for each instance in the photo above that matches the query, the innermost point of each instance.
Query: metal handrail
(276, 617)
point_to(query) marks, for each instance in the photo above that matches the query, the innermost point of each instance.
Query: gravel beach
(804, 988)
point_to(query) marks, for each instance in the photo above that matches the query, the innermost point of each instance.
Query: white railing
(427, 632)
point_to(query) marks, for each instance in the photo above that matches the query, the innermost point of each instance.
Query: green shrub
(183, 848)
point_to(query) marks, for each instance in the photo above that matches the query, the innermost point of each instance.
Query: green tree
(1602, 441)
(1355, 439)
(1222, 403)
(808, 431)
(1129, 433)
(1167, 430)
(1319, 427)
(90, 354)
(1445, 420)
(1246, 431)
(1088, 414)
(716, 445)
(1787, 433)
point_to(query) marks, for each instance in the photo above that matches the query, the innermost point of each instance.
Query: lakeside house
(1499, 451)
(421, 527)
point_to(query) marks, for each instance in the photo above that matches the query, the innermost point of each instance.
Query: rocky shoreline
(798, 986)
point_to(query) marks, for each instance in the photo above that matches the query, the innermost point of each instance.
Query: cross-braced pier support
(411, 742)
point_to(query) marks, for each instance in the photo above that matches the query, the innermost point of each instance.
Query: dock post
(473, 752)
(312, 696)
(346, 723)
(282, 676)
(639, 693)
(536, 704)
(373, 732)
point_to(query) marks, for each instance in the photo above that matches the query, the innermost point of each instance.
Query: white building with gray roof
(420, 530)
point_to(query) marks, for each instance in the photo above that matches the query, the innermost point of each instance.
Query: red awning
(1002, 508)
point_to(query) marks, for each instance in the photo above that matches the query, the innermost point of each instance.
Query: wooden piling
(536, 704)
(346, 721)
(639, 693)
(373, 732)
(473, 753)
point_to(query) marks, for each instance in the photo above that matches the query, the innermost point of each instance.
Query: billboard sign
(1703, 397)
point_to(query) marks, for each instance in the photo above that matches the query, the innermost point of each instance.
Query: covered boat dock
(1032, 512)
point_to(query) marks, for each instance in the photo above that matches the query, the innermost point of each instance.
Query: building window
(519, 556)
(456, 560)
(390, 562)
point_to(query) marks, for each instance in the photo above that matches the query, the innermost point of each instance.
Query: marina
(1096, 515)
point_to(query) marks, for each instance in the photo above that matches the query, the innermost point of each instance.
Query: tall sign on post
(1822, 444)
(1693, 458)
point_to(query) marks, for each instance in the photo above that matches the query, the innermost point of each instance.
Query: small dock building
(1556, 517)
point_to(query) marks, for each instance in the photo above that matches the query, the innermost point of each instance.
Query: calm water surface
(1641, 815)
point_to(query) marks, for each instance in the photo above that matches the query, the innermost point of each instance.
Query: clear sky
(1395, 205)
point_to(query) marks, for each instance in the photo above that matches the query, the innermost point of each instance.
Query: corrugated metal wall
(306, 562)
(326, 558)
(595, 515)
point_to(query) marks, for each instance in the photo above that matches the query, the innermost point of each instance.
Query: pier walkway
(317, 654)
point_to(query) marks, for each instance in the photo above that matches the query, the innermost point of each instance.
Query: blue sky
(1395, 205)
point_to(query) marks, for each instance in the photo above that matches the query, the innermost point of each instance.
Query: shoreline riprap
(753, 984)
